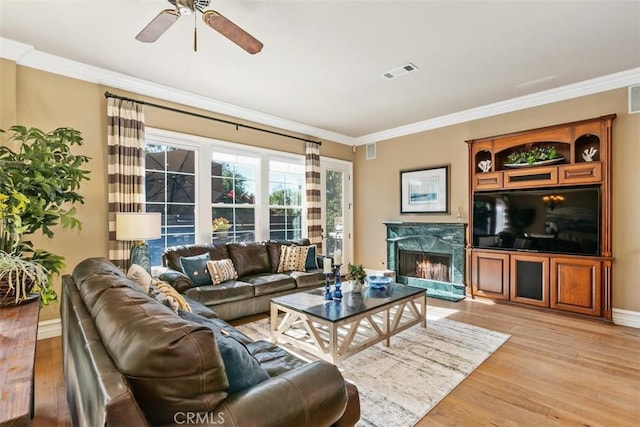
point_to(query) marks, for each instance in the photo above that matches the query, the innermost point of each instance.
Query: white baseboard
(53, 328)
(626, 318)
(49, 329)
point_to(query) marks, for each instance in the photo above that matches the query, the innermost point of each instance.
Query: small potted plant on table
(356, 273)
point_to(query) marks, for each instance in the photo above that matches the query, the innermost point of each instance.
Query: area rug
(400, 384)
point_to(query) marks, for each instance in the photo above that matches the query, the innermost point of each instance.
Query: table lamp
(138, 227)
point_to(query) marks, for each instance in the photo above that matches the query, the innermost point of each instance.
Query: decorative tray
(540, 163)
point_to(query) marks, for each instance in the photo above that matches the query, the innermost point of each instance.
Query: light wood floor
(554, 370)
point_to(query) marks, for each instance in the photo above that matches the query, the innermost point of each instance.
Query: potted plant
(356, 273)
(221, 226)
(531, 155)
(39, 182)
(20, 279)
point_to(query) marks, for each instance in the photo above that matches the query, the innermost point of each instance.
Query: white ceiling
(322, 60)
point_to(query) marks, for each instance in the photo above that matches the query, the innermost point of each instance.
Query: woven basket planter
(8, 293)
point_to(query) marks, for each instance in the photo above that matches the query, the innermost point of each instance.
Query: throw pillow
(292, 258)
(196, 268)
(141, 276)
(312, 261)
(242, 369)
(221, 271)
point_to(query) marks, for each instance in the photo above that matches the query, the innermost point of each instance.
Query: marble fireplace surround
(427, 237)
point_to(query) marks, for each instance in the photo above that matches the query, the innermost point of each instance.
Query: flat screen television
(554, 220)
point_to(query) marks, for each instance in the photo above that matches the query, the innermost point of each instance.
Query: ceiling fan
(168, 17)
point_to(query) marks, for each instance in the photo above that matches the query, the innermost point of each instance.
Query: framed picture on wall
(425, 190)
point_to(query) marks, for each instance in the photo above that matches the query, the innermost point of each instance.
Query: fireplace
(429, 255)
(424, 265)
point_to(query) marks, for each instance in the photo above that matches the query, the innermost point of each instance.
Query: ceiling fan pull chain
(195, 33)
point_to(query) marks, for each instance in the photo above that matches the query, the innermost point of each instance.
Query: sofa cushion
(171, 364)
(200, 309)
(293, 258)
(269, 283)
(221, 270)
(274, 248)
(231, 290)
(272, 358)
(196, 268)
(171, 255)
(242, 369)
(308, 279)
(312, 258)
(249, 258)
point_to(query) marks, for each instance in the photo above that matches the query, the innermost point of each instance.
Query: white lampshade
(138, 226)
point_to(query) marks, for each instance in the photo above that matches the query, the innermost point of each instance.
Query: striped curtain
(314, 206)
(125, 140)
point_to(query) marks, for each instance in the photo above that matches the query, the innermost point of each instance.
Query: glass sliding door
(336, 209)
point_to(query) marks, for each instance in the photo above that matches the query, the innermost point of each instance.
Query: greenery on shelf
(39, 183)
(531, 155)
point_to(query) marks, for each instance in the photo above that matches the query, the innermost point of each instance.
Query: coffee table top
(312, 302)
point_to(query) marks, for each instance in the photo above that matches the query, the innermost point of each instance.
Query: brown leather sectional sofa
(130, 360)
(258, 280)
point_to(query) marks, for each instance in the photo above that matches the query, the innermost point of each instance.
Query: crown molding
(575, 90)
(28, 56)
(13, 50)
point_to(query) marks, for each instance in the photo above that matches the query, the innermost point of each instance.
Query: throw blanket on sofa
(176, 300)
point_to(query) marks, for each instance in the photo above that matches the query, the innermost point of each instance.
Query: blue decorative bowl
(379, 282)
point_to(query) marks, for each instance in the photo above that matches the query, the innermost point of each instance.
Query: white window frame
(203, 148)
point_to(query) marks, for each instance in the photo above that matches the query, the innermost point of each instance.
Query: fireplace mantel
(427, 237)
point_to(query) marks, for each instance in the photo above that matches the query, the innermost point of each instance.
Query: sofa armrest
(180, 281)
(311, 395)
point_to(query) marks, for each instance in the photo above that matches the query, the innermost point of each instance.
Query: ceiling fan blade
(158, 26)
(232, 31)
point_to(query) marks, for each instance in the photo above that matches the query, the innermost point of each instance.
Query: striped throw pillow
(292, 258)
(221, 271)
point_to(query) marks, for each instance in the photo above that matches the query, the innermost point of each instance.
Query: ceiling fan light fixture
(185, 7)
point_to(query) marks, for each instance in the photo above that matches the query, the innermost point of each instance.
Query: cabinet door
(488, 181)
(530, 177)
(576, 285)
(581, 173)
(490, 274)
(530, 279)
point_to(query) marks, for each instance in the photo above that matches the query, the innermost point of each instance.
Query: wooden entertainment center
(564, 265)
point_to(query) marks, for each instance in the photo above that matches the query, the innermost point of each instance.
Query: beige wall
(47, 101)
(35, 98)
(377, 184)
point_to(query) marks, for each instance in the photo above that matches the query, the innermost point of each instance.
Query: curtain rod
(202, 116)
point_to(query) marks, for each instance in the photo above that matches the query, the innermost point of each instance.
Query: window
(233, 196)
(216, 191)
(286, 187)
(170, 190)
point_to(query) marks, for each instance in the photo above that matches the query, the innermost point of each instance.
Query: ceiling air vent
(400, 71)
(371, 151)
(634, 99)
